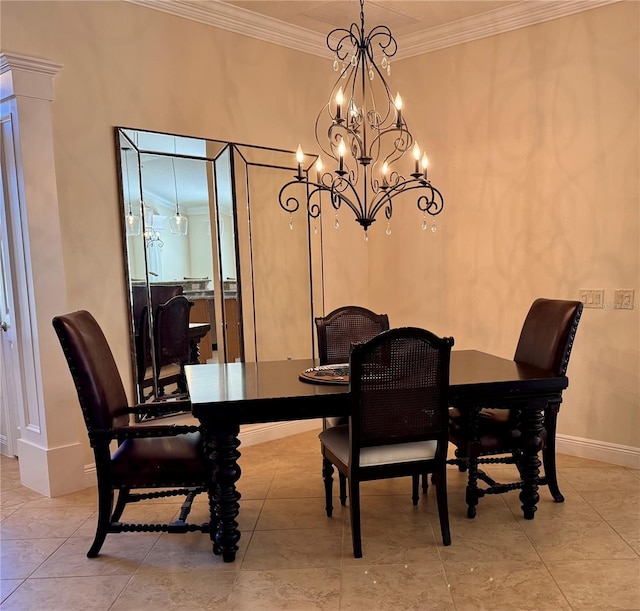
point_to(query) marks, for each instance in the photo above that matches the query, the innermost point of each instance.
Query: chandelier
(362, 130)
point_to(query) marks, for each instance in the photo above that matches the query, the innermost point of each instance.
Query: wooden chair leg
(105, 502)
(343, 488)
(440, 480)
(121, 503)
(327, 474)
(472, 487)
(549, 456)
(354, 506)
(425, 483)
(415, 485)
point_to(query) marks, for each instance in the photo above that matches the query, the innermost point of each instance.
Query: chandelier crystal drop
(363, 134)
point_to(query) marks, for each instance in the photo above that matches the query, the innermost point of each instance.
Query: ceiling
(419, 26)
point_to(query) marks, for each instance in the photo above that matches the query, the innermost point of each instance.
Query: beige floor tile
(296, 485)
(576, 541)
(588, 479)
(249, 512)
(189, 552)
(119, 555)
(629, 531)
(599, 585)
(62, 594)
(7, 586)
(18, 497)
(503, 585)
(490, 509)
(384, 543)
(488, 542)
(293, 549)
(286, 589)
(188, 590)
(404, 586)
(574, 507)
(19, 558)
(254, 486)
(566, 460)
(614, 505)
(298, 513)
(43, 522)
(305, 560)
(86, 497)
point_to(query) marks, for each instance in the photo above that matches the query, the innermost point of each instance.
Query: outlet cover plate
(623, 299)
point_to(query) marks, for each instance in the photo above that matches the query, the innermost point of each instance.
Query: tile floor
(583, 554)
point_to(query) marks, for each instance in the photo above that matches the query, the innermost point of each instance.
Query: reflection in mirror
(202, 225)
(168, 193)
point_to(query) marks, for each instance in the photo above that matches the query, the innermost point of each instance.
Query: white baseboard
(259, 433)
(249, 435)
(616, 454)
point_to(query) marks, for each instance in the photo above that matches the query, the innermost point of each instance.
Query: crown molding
(248, 23)
(242, 21)
(15, 61)
(512, 17)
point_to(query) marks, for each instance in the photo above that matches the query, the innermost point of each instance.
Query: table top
(271, 391)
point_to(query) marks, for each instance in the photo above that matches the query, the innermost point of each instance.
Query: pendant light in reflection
(132, 221)
(178, 224)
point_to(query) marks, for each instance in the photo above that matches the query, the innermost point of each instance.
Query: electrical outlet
(623, 299)
(592, 298)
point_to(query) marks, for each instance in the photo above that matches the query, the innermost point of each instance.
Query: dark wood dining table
(225, 396)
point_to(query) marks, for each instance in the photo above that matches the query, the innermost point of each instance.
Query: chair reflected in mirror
(172, 343)
(170, 346)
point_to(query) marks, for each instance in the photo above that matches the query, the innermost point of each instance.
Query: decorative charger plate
(326, 374)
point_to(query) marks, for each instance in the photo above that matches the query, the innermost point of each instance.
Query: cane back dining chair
(399, 383)
(169, 459)
(546, 340)
(338, 332)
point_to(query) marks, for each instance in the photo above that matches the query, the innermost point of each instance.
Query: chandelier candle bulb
(425, 164)
(398, 105)
(416, 156)
(339, 100)
(341, 151)
(300, 159)
(319, 168)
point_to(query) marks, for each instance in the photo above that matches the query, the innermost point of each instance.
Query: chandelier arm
(432, 204)
(390, 47)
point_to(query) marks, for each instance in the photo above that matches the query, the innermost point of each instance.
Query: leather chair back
(100, 391)
(547, 334)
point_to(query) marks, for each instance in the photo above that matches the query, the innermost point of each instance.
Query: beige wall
(532, 135)
(533, 138)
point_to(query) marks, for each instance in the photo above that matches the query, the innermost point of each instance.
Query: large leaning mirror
(205, 243)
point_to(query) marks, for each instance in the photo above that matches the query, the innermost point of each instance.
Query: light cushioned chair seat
(336, 439)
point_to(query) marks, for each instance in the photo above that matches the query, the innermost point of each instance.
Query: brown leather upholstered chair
(399, 419)
(337, 333)
(168, 458)
(545, 342)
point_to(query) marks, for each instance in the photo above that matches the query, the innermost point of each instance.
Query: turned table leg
(532, 423)
(224, 502)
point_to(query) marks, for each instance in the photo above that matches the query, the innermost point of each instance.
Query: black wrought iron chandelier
(366, 137)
